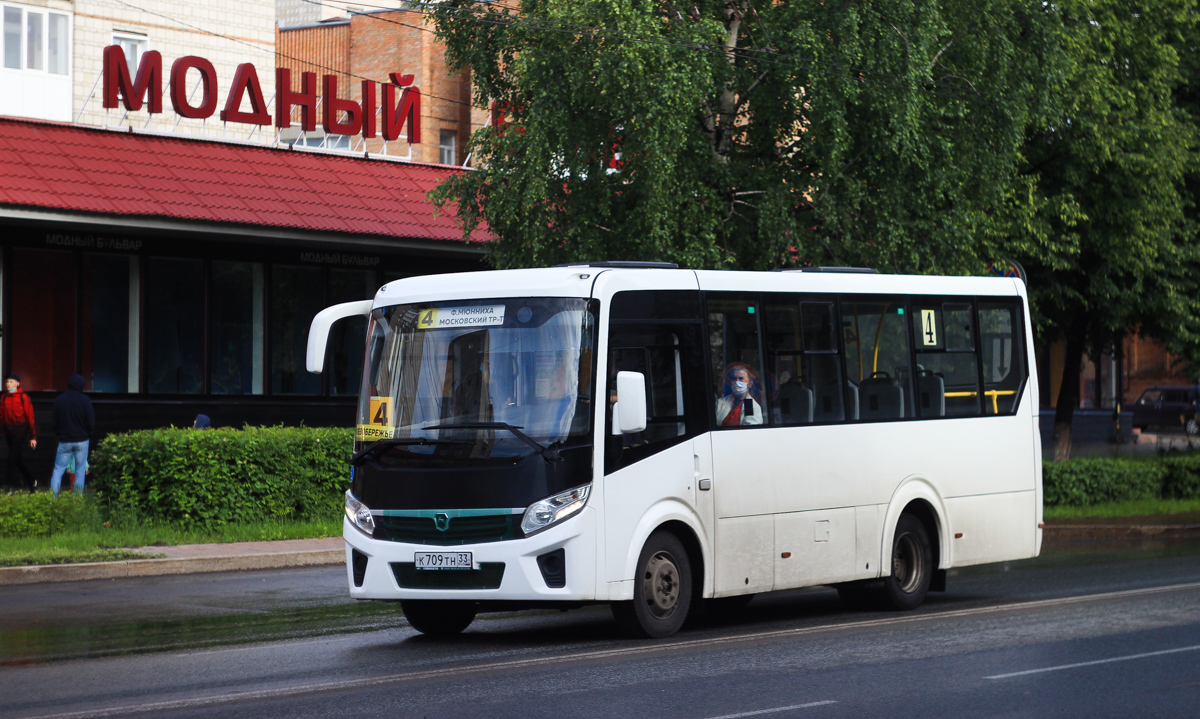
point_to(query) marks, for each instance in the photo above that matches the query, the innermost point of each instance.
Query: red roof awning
(67, 167)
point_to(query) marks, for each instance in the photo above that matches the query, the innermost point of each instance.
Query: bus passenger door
(703, 490)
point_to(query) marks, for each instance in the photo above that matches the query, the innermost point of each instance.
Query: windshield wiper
(374, 448)
(550, 453)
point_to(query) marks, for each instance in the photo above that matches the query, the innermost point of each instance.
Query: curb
(1118, 532)
(158, 567)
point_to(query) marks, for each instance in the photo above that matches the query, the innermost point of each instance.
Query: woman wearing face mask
(738, 404)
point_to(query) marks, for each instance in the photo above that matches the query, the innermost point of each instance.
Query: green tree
(753, 135)
(1109, 173)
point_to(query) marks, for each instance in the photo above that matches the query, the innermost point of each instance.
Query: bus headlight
(554, 509)
(359, 514)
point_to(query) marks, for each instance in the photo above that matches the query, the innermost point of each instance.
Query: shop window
(878, 367)
(110, 325)
(347, 339)
(42, 317)
(236, 328)
(174, 326)
(295, 299)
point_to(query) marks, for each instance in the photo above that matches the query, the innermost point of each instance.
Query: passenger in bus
(739, 394)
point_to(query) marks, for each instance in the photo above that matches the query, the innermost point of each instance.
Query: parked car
(1168, 407)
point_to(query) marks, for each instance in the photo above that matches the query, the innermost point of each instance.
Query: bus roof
(601, 282)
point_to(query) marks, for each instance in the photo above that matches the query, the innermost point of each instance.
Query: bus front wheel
(912, 566)
(438, 618)
(662, 590)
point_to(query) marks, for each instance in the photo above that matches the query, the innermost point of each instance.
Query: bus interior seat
(852, 391)
(932, 390)
(795, 403)
(880, 397)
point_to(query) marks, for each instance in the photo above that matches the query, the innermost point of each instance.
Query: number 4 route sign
(929, 328)
(381, 411)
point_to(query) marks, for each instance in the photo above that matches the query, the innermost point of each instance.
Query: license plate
(444, 560)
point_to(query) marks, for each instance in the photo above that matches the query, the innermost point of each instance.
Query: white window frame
(23, 52)
(452, 148)
(141, 39)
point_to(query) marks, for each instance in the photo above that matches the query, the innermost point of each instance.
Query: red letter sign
(333, 106)
(368, 108)
(179, 95)
(409, 110)
(116, 80)
(285, 99)
(245, 81)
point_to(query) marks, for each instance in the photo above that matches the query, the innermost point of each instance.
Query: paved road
(1076, 634)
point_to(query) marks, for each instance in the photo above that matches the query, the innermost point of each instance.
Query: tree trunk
(1068, 395)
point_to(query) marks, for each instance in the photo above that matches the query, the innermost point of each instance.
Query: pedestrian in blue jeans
(74, 422)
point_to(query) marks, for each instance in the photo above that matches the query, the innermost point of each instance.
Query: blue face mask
(14, 389)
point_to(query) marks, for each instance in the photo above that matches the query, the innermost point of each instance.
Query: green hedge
(215, 477)
(38, 514)
(1092, 480)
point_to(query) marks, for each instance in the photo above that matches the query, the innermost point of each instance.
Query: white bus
(659, 438)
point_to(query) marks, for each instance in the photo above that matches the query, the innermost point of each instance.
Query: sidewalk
(190, 559)
(196, 558)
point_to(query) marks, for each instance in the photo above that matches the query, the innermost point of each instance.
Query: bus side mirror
(318, 331)
(629, 413)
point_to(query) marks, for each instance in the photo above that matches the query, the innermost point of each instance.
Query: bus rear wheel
(438, 618)
(912, 566)
(662, 590)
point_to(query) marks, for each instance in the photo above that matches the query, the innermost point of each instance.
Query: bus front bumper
(520, 580)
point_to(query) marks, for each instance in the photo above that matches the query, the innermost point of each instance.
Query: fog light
(360, 515)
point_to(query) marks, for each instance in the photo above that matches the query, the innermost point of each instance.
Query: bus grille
(461, 530)
(488, 576)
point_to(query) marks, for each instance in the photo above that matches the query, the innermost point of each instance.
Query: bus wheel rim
(906, 563)
(662, 585)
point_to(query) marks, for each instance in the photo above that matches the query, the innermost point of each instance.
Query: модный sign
(338, 116)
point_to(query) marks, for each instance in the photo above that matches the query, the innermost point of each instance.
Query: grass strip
(1159, 508)
(106, 544)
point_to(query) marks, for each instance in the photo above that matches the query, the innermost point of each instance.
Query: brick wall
(375, 45)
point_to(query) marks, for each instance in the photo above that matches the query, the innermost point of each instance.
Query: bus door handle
(705, 485)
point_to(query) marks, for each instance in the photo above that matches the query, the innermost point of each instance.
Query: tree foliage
(752, 135)
(1118, 153)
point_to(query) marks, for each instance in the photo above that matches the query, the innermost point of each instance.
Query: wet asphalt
(1085, 630)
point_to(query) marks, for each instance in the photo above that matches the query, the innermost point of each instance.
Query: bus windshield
(477, 379)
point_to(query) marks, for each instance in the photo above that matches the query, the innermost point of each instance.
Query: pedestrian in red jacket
(16, 422)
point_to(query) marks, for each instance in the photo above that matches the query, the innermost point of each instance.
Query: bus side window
(801, 348)
(744, 395)
(947, 368)
(1002, 349)
(878, 371)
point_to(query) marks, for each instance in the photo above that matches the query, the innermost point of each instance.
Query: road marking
(1095, 662)
(775, 710)
(599, 654)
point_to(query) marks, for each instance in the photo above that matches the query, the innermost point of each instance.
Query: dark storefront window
(347, 339)
(236, 328)
(296, 297)
(175, 325)
(42, 317)
(109, 328)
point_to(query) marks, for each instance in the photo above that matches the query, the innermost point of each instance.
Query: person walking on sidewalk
(74, 422)
(16, 421)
